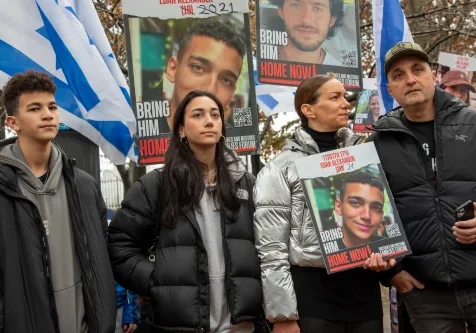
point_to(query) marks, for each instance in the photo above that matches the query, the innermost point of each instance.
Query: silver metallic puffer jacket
(284, 231)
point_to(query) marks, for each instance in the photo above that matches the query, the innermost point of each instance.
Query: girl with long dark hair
(184, 234)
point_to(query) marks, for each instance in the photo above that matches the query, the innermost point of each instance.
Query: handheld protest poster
(176, 46)
(368, 108)
(457, 75)
(297, 39)
(351, 206)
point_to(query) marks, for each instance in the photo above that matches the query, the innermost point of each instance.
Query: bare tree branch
(423, 14)
(115, 5)
(442, 40)
(372, 69)
(423, 33)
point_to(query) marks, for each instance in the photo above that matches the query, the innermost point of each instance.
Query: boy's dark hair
(216, 30)
(26, 82)
(359, 177)
(337, 11)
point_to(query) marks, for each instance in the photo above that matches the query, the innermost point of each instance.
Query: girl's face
(202, 124)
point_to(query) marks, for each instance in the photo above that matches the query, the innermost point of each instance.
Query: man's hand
(289, 326)
(129, 328)
(376, 263)
(465, 231)
(404, 282)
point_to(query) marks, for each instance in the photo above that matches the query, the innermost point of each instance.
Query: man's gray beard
(302, 47)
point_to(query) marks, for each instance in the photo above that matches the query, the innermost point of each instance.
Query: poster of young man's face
(351, 206)
(456, 74)
(170, 58)
(358, 205)
(297, 39)
(367, 112)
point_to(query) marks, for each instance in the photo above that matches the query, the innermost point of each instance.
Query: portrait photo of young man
(175, 57)
(360, 203)
(308, 24)
(209, 58)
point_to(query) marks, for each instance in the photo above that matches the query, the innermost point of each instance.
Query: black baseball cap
(404, 49)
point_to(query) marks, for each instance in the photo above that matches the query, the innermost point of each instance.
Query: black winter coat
(178, 280)
(26, 291)
(427, 207)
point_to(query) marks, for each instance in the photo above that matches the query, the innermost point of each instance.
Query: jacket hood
(445, 105)
(301, 141)
(11, 155)
(236, 167)
(304, 142)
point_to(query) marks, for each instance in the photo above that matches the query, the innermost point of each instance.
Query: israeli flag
(273, 99)
(65, 39)
(386, 36)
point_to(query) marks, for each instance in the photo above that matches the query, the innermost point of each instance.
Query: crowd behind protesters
(214, 249)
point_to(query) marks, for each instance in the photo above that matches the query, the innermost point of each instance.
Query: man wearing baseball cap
(427, 148)
(457, 84)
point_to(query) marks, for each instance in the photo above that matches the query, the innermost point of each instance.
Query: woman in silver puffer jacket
(299, 295)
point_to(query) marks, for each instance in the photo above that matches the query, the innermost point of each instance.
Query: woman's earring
(183, 140)
(222, 139)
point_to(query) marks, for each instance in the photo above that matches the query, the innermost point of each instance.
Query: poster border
(251, 91)
(359, 50)
(401, 238)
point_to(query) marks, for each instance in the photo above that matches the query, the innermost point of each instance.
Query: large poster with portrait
(368, 108)
(457, 75)
(297, 39)
(352, 207)
(176, 46)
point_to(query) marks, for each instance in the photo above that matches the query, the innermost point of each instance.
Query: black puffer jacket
(178, 281)
(425, 207)
(26, 291)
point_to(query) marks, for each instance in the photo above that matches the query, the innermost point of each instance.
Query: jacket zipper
(75, 216)
(438, 209)
(202, 247)
(303, 217)
(430, 175)
(45, 255)
(226, 251)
